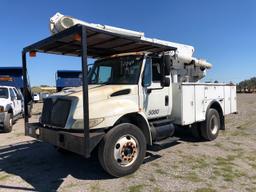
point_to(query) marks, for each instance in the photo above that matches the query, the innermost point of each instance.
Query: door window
(156, 69)
(104, 74)
(18, 94)
(12, 94)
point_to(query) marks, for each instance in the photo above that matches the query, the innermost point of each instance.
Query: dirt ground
(226, 164)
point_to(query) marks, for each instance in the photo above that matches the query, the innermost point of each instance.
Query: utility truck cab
(137, 93)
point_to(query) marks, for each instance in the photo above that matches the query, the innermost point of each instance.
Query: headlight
(1, 108)
(95, 122)
(92, 123)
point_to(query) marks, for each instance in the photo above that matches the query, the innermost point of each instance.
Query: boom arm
(185, 66)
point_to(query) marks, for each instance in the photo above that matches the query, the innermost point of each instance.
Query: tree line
(248, 85)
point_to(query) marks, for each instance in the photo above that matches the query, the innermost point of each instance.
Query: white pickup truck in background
(11, 107)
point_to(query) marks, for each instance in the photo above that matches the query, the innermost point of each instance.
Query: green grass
(129, 176)
(224, 167)
(219, 145)
(161, 172)
(156, 189)
(95, 187)
(4, 177)
(135, 188)
(244, 125)
(200, 163)
(205, 189)
(250, 189)
(193, 177)
(239, 133)
(152, 179)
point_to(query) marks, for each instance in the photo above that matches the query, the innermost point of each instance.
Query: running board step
(161, 122)
(158, 145)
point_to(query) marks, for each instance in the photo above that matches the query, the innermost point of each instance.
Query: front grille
(55, 113)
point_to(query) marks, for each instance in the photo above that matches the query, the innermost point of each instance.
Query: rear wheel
(8, 123)
(211, 126)
(122, 150)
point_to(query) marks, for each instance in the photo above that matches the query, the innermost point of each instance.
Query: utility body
(137, 93)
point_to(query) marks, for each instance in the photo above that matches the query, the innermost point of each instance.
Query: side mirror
(167, 64)
(19, 97)
(147, 74)
(13, 98)
(165, 82)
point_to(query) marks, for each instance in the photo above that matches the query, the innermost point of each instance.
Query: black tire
(62, 151)
(211, 126)
(29, 111)
(109, 144)
(196, 131)
(8, 123)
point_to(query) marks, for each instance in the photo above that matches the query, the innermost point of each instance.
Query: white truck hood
(102, 104)
(98, 92)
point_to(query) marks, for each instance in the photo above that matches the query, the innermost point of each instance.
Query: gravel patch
(226, 164)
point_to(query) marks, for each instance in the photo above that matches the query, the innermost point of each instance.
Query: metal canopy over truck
(81, 41)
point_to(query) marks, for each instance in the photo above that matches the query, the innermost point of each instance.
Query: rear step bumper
(73, 142)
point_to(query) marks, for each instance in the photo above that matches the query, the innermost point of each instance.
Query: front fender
(112, 110)
(8, 108)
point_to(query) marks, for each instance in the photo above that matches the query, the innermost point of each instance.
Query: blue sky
(223, 32)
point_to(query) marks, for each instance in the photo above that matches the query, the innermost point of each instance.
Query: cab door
(155, 97)
(13, 99)
(19, 100)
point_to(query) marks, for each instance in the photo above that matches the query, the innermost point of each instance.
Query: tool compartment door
(188, 104)
(233, 102)
(227, 100)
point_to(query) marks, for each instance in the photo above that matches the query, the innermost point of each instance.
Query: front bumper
(2, 117)
(70, 141)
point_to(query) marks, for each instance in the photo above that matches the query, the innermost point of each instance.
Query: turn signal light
(1, 109)
(32, 53)
(6, 79)
(77, 37)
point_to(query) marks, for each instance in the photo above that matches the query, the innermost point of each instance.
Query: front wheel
(211, 126)
(8, 123)
(122, 150)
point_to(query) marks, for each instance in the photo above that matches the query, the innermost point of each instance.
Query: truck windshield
(3, 93)
(120, 70)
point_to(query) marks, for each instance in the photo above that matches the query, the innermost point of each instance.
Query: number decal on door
(153, 112)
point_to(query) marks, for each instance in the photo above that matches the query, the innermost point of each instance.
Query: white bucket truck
(137, 92)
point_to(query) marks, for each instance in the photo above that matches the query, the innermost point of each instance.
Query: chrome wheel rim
(10, 122)
(126, 150)
(214, 124)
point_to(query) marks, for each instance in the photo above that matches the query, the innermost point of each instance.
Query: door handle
(166, 100)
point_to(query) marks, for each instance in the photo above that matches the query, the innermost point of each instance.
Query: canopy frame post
(85, 92)
(25, 88)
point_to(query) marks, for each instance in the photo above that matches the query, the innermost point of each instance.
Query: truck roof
(11, 68)
(69, 71)
(3, 86)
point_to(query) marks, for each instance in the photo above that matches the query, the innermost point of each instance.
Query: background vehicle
(137, 93)
(11, 107)
(12, 76)
(36, 97)
(67, 78)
